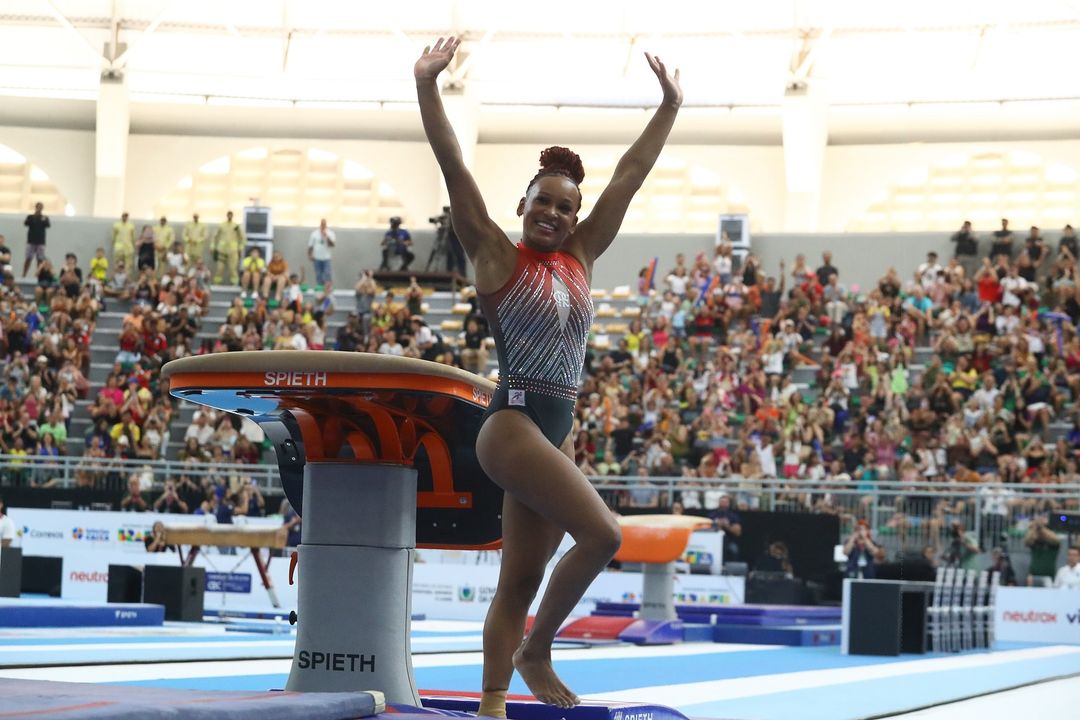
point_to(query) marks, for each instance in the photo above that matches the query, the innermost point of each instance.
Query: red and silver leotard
(540, 320)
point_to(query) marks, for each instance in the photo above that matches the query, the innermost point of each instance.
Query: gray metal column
(658, 591)
(354, 572)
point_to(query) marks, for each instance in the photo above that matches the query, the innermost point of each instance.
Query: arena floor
(703, 680)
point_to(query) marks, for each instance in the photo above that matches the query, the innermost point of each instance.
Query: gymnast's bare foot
(536, 670)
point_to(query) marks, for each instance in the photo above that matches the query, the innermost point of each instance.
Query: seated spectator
(133, 500)
(253, 267)
(118, 285)
(276, 278)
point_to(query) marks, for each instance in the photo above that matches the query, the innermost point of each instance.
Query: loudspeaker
(769, 589)
(179, 589)
(125, 584)
(10, 571)
(42, 575)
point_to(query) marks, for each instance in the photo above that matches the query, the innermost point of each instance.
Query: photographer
(170, 501)
(1044, 545)
(962, 551)
(397, 241)
(861, 553)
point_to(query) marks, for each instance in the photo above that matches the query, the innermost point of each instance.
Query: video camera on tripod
(439, 249)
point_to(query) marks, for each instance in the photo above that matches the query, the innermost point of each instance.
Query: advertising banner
(1050, 615)
(447, 584)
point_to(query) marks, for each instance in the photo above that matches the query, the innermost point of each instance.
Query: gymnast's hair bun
(562, 161)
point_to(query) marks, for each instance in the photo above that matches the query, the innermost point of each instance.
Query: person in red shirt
(988, 283)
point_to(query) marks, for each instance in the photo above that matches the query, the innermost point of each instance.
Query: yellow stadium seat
(462, 308)
(631, 312)
(451, 326)
(605, 310)
(622, 292)
(599, 294)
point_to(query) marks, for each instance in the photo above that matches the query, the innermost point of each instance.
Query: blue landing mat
(798, 635)
(22, 613)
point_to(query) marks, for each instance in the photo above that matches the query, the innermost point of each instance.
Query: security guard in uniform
(194, 238)
(123, 242)
(164, 237)
(227, 244)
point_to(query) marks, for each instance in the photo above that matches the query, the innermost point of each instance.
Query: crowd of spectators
(962, 370)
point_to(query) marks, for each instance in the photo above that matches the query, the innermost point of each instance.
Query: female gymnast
(536, 297)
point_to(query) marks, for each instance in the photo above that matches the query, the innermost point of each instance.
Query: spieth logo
(131, 535)
(90, 534)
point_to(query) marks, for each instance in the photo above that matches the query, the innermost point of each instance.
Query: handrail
(68, 466)
(269, 479)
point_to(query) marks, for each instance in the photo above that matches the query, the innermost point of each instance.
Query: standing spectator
(146, 250)
(827, 269)
(1000, 564)
(397, 241)
(1068, 242)
(123, 242)
(1068, 576)
(1003, 241)
(36, 225)
(727, 520)
(194, 237)
(319, 245)
(967, 248)
(228, 241)
(164, 237)
(170, 502)
(1043, 544)
(861, 551)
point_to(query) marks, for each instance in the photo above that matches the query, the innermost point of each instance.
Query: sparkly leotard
(540, 320)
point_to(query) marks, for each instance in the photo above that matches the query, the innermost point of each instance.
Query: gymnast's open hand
(435, 59)
(668, 82)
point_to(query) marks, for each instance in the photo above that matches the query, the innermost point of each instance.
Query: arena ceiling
(301, 66)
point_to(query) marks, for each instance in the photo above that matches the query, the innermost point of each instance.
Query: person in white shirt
(1068, 575)
(390, 345)
(928, 271)
(319, 245)
(7, 527)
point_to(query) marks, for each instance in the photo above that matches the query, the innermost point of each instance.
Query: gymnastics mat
(71, 701)
(27, 612)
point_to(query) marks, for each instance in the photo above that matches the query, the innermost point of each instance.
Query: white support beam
(66, 24)
(125, 57)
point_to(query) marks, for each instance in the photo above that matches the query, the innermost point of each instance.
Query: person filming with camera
(397, 241)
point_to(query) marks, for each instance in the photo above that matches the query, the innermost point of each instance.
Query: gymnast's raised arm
(472, 225)
(594, 234)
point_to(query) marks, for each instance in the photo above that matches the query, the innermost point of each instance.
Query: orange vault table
(377, 455)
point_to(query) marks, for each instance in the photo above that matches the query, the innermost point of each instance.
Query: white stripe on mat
(234, 668)
(238, 644)
(710, 691)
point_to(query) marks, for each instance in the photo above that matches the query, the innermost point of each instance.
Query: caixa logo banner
(90, 534)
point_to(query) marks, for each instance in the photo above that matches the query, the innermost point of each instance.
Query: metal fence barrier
(901, 516)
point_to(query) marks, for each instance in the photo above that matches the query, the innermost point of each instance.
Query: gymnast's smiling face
(549, 212)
